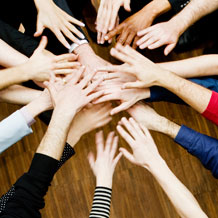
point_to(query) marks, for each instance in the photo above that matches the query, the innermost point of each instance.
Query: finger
(114, 146)
(114, 32)
(136, 127)
(134, 85)
(107, 19)
(109, 142)
(84, 82)
(114, 68)
(64, 71)
(65, 57)
(129, 39)
(113, 17)
(93, 86)
(39, 29)
(75, 21)
(102, 40)
(129, 127)
(104, 122)
(127, 5)
(125, 136)
(169, 48)
(101, 16)
(148, 42)
(99, 37)
(43, 43)
(95, 96)
(134, 45)
(123, 36)
(76, 77)
(121, 56)
(127, 155)
(124, 106)
(105, 98)
(69, 35)
(99, 140)
(74, 30)
(117, 158)
(68, 65)
(91, 160)
(155, 45)
(145, 38)
(146, 30)
(145, 131)
(61, 38)
(130, 52)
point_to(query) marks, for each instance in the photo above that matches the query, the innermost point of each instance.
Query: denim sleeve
(203, 147)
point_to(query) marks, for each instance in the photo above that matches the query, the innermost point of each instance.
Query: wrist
(179, 27)
(155, 164)
(157, 7)
(64, 115)
(83, 49)
(105, 181)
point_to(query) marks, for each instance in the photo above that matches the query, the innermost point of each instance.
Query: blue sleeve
(12, 129)
(203, 147)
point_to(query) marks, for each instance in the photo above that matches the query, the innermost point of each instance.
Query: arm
(128, 29)
(103, 168)
(17, 125)
(6, 51)
(206, 65)
(39, 67)
(203, 147)
(145, 154)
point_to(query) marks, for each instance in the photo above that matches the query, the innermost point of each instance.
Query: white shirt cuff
(75, 45)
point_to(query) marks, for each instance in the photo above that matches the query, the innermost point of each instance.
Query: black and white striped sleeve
(101, 203)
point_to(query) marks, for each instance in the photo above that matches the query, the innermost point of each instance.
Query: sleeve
(178, 5)
(12, 129)
(101, 203)
(31, 188)
(211, 112)
(203, 147)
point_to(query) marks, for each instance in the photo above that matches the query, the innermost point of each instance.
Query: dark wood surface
(135, 193)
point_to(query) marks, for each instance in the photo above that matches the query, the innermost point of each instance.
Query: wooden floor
(135, 193)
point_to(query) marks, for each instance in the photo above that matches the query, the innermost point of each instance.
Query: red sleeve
(211, 113)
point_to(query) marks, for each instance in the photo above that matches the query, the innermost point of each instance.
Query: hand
(146, 71)
(108, 16)
(58, 21)
(104, 165)
(128, 29)
(71, 97)
(43, 63)
(148, 117)
(90, 60)
(127, 97)
(94, 116)
(145, 152)
(166, 33)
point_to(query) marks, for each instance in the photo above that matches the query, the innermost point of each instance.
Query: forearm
(193, 94)
(182, 199)
(206, 65)
(194, 11)
(16, 58)
(157, 7)
(14, 75)
(54, 140)
(18, 94)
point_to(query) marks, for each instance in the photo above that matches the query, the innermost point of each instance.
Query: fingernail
(83, 25)
(106, 37)
(82, 36)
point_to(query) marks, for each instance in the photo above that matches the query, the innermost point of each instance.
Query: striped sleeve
(101, 203)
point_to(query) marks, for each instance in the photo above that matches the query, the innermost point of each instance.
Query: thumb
(39, 29)
(91, 160)
(127, 5)
(43, 43)
(169, 48)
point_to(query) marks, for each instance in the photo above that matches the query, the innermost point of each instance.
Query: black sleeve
(178, 5)
(31, 189)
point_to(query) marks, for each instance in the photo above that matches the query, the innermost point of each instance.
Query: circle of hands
(88, 95)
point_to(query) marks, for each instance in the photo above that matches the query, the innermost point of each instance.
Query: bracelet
(75, 45)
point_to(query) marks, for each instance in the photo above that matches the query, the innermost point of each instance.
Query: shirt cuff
(27, 116)
(211, 112)
(75, 45)
(185, 137)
